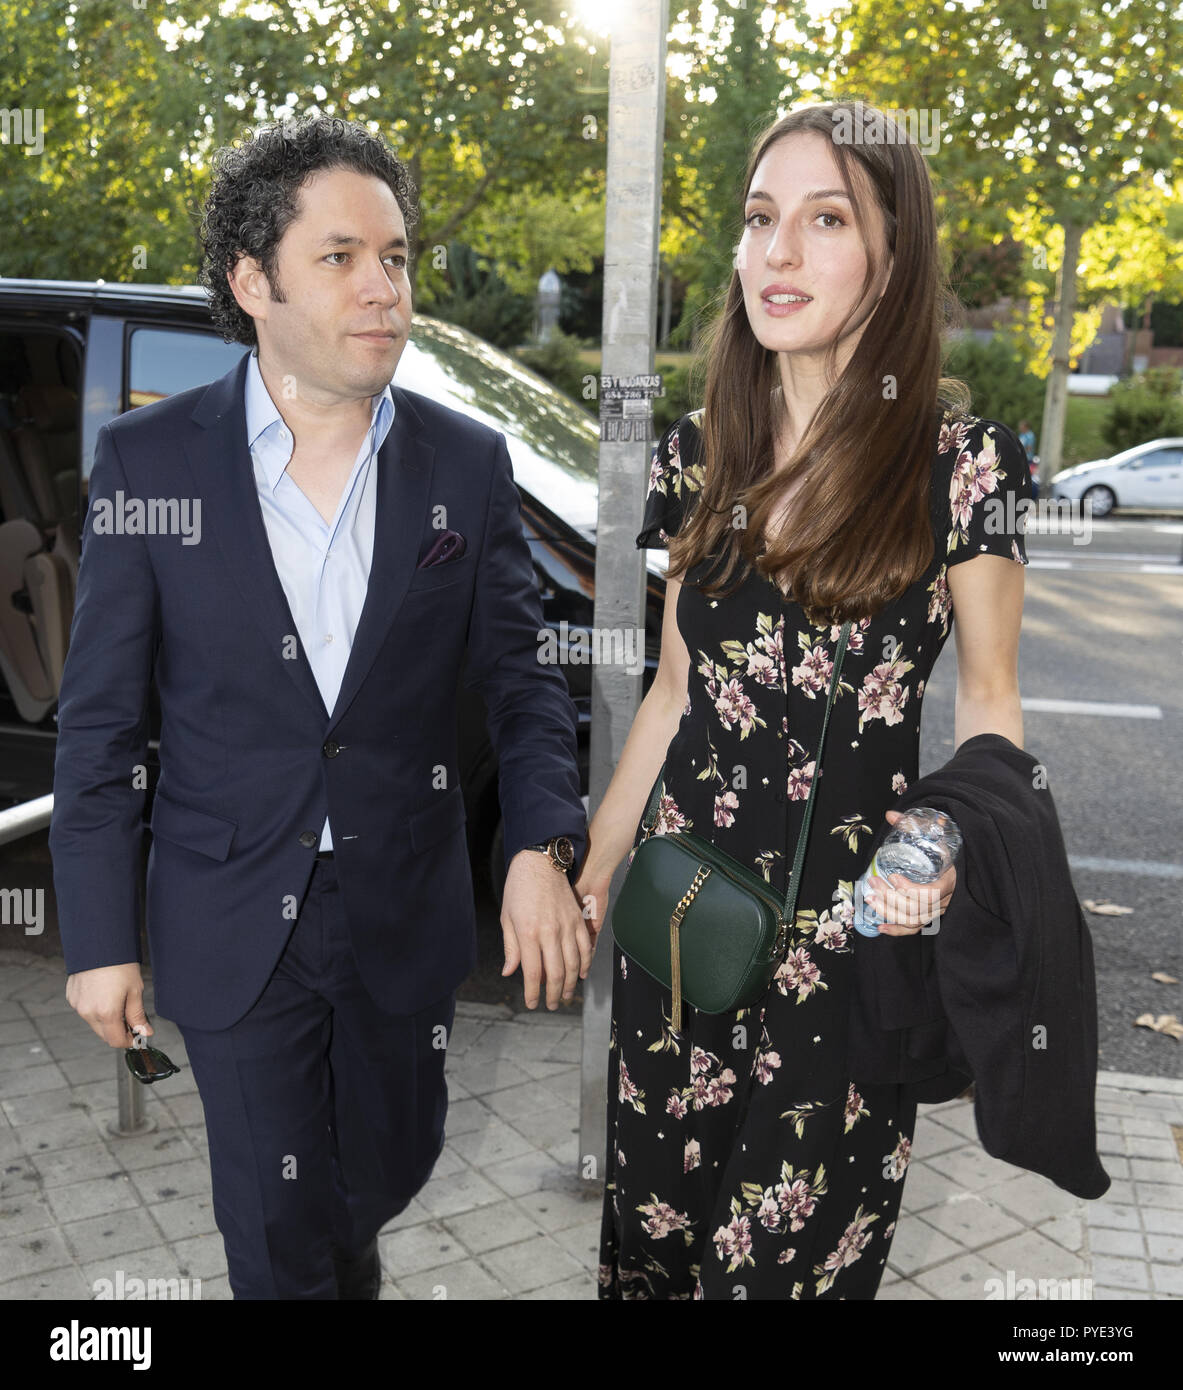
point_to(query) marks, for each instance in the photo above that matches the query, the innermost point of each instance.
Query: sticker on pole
(626, 412)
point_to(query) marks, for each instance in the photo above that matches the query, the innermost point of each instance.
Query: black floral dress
(742, 1159)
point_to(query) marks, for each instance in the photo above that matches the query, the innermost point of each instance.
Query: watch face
(565, 851)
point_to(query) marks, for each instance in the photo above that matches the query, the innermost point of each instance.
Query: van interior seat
(36, 602)
(16, 499)
(47, 447)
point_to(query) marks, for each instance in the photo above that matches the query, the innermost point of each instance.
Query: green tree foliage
(730, 76)
(110, 193)
(1003, 388)
(1145, 407)
(1049, 113)
(482, 101)
(477, 298)
(500, 109)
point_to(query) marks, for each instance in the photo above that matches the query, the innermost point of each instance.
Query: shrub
(677, 400)
(559, 361)
(479, 300)
(1144, 407)
(1002, 387)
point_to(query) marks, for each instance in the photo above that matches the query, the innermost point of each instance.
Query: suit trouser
(324, 1114)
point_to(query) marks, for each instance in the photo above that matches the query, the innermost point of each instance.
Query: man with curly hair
(309, 897)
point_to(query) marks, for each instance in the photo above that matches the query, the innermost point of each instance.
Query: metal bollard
(131, 1118)
(15, 823)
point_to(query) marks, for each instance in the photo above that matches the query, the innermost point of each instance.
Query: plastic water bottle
(921, 845)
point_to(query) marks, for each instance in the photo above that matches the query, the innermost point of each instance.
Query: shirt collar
(263, 420)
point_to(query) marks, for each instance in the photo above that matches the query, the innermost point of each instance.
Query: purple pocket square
(448, 545)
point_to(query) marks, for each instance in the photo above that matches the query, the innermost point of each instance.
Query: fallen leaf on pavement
(1164, 1023)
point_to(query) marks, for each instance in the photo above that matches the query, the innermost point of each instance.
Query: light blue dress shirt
(324, 567)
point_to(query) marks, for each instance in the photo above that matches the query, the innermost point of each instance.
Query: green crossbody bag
(701, 923)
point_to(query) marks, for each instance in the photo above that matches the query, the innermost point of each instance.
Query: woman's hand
(907, 907)
(591, 889)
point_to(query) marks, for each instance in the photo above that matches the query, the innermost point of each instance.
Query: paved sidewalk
(503, 1216)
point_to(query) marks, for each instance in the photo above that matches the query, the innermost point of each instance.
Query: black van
(75, 354)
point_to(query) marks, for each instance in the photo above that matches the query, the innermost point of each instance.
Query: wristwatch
(560, 851)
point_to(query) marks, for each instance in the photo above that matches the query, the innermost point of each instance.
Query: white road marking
(1152, 868)
(1140, 524)
(1082, 553)
(1038, 706)
(1094, 564)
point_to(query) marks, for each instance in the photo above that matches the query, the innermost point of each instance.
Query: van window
(164, 361)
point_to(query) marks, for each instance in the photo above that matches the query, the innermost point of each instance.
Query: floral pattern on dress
(710, 1084)
(763, 657)
(978, 475)
(661, 1219)
(755, 1161)
(884, 694)
(628, 1091)
(669, 477)
(850, 1248)
(855, 1108)
(896, 1163)
(940, 603)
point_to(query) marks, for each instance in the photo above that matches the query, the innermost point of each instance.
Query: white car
(1147, 476)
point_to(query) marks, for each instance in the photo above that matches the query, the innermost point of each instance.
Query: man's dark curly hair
(253, 200)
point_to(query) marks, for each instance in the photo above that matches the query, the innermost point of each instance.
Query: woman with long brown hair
(832, 474)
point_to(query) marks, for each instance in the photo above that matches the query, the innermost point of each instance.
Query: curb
(1129, 1081)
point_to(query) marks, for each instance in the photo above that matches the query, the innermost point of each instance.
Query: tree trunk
(1055, 401)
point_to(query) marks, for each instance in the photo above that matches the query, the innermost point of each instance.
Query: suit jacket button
(331, 749)
(309, 839)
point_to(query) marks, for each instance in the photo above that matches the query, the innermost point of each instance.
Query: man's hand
(544, 929)
(111, 1000)
(906, 906)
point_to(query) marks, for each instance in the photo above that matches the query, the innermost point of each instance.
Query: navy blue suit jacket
(251, 760)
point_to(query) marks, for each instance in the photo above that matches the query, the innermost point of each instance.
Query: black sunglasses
(148, 1064)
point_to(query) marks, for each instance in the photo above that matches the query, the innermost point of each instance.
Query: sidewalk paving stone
(531, 1264)
(504, 1215)
(466, 1279)
(421, 1247)
(92, 1198)
(488, 1227)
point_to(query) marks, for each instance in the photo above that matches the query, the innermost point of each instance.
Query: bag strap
(649, 819)
(795, 876)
